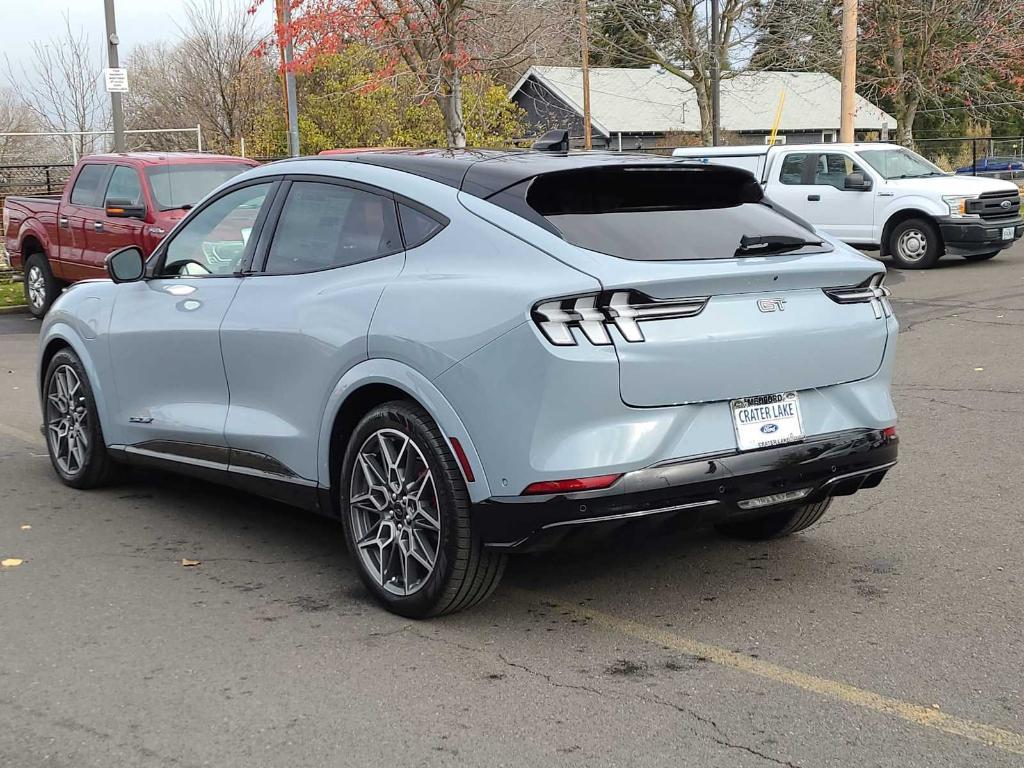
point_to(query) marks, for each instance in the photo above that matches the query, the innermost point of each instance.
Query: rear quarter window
(86, 191)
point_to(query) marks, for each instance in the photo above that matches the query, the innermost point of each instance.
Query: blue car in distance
(464, 355)
(988, 165)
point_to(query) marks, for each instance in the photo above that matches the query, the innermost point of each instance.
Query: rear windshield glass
(185, 184)
(660, 213)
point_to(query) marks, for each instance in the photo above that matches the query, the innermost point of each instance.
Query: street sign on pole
(117, 79)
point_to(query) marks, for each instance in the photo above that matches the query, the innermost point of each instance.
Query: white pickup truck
(882, 196)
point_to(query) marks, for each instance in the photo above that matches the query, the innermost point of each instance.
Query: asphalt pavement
(888, 635)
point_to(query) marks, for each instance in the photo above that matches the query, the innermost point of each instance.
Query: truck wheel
(41, 287)
(915, 244)
(775, 525)
(980, 256)
(406, 516)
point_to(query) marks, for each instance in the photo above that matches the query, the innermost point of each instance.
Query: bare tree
(61, 87)
(944, 56)
(14, 118)
(210, 77)
(676, 35)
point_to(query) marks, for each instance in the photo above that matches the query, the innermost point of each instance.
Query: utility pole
(116, 110)
(716, 75)
(284, 17)
(588, 142)
(849, 74)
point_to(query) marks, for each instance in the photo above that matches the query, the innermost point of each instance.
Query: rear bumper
(980, 236)
(831, 465)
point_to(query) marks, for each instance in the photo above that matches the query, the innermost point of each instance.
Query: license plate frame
(766, 421)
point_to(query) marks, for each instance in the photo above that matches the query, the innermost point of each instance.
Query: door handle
(814, 198)
(62, 222)
(97, 226)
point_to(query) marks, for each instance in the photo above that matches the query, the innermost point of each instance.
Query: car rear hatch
(709, 292)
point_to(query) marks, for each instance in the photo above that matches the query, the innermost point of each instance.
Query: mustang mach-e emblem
(771, 305)
(1005, 204)
(769, 428)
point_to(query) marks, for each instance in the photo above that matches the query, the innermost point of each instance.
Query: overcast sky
(138, 21)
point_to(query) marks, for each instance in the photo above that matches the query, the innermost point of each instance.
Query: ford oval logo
(769, 428)
(1005, 204)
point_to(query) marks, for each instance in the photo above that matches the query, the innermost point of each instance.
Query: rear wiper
(761, 245)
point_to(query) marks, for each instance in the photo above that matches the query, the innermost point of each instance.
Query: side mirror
(126, 265)
(125, 209)
(857, 182)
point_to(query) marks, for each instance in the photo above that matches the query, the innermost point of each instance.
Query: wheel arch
(905, 214)
(377, 381)
(61, 336)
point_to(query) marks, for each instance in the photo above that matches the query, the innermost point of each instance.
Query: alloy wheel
(912, 245)
(394, 512)
(36, 282)
(67, 420)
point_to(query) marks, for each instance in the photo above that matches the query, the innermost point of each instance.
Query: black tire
(41, 287)
(95, 468)
(464, 571)
(777, 524)
(980, 256)
(915, 244)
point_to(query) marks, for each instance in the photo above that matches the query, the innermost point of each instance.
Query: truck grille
(996, 205)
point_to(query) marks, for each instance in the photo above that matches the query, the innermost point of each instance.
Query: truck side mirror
(857, 182)
(125, 209)
(126, 265)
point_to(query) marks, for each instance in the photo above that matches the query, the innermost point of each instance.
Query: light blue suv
(467, 354)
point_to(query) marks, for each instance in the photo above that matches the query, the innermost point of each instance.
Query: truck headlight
(958, 206)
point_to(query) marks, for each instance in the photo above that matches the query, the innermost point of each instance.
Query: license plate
(767, 420)
(1007, 233)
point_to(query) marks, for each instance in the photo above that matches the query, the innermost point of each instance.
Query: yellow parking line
(927, 717)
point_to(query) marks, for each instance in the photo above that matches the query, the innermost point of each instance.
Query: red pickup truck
(109, 202)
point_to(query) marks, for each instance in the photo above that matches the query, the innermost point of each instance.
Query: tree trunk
(702, 91)
(450, 101)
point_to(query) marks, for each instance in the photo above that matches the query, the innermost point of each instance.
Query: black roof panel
(484, 172)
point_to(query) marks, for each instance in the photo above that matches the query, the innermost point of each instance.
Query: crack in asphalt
(719, 737)
(971, 408)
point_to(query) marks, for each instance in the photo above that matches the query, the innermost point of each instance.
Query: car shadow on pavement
(690, 561)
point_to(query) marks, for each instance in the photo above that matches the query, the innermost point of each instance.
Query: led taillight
(871, 291)
(592, 314)
(600, 482)
(889, 433)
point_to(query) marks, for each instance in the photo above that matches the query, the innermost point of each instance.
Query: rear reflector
(571, 486)
(775, 498)
(460, 454)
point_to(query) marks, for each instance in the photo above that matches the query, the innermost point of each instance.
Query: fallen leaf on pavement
(189, 563)
(11, 562)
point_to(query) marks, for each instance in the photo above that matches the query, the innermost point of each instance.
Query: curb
(19, 309)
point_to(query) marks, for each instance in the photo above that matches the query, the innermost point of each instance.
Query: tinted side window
(832, 169)
(87, 186)
(417, 227)
(323, 226)
(793, 168)
(214, 240)
(124, 185)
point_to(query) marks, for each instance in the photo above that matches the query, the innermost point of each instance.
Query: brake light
(871, 291)
(889, 433)
(597, 483)
(592, 314)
